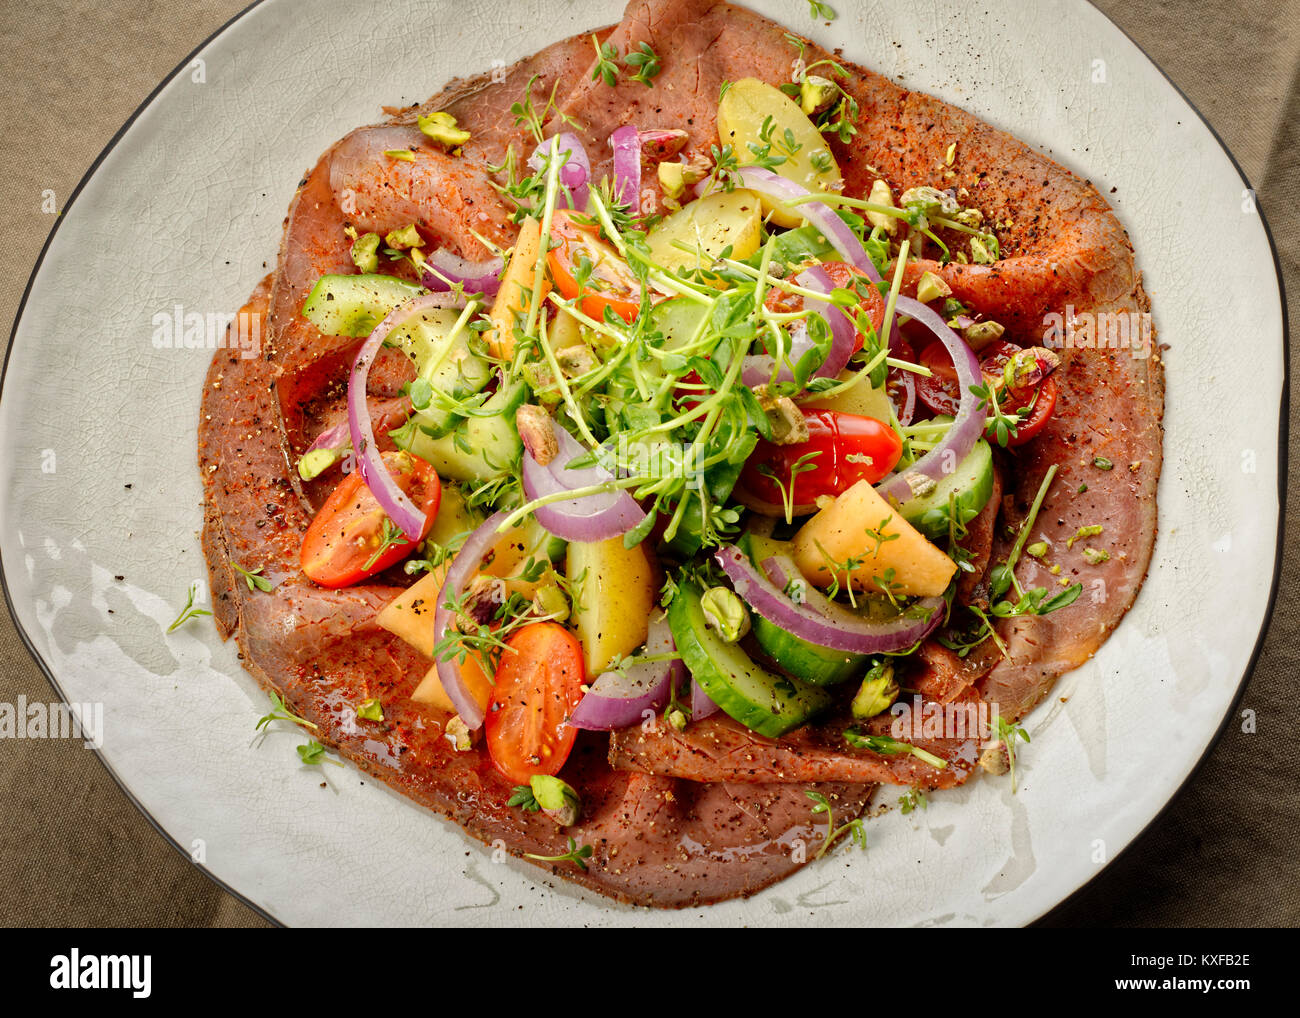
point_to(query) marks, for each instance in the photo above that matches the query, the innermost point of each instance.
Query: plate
(100, 494)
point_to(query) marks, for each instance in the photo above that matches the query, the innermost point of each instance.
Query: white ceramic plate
(185, 208)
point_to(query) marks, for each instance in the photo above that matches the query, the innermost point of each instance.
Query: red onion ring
(757, 368)
(625, 143)
(475, 277)
(701, 706)
(817, 619)
(907, 412)
(462, 569)
(968, 424)
(575, 171)
(820, 215)
(618, 699)
(588, 518)
(331, 438)
(394, 501)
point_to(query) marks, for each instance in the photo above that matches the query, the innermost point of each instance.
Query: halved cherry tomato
(536, 687)
(610, 284)
(849, 448)
(941, 392)
(843, 276)
(340, 546)
(1041, 397)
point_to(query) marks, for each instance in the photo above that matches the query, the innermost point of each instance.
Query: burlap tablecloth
(74, 851)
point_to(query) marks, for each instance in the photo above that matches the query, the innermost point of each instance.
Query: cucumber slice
(450, 368)
(480, 448)
(972, 482)
(764, 703)
(807, 661)
(819, 665)
(354, 305)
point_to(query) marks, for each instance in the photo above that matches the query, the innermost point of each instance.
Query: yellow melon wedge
(617, 589)
(516, 289)
(430, 689)
(842, 533)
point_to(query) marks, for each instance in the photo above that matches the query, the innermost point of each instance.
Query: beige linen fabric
(74, 851)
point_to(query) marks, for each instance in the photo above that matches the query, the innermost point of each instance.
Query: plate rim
(1282, 464)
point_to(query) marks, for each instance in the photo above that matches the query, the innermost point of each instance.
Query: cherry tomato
(842, 276)
(1041, 397)
(899, 383)
(537, 686)
(848, 449)
(941, 392)
(340, 546)
(610, 283)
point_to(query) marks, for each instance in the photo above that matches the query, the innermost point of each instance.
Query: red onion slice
(701, 706)
(618, 699)
(907, 382)
(819, 214)
(817, 619)
(625, 143)
(476, 277)
(331, 438)
(394, 501)
(968, 424)
(588, 518)
(758, 367)
(459, 573)
(575, 171)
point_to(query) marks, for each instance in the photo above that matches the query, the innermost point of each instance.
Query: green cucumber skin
(493, 442)
(973, 483)
(724, 670)
(806, 661)
(353, 305)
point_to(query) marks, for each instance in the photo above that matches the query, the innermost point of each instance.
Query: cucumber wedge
(820, 666)
(764, 703)
(354, 305)
(972, 482)
(480, 448)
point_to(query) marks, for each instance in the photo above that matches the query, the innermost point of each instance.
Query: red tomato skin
(536, 688)
(621, 290)
(842, 276)
(939, 391)
(835, 436)
(333, 558)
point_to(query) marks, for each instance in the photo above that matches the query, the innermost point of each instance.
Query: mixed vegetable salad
(664, 465)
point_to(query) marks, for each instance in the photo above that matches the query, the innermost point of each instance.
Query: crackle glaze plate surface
(98, 475)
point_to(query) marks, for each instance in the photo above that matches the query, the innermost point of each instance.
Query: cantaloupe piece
(410, 614)
(516, 289)
(617, 589)
(840, 534)
(430, 689)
